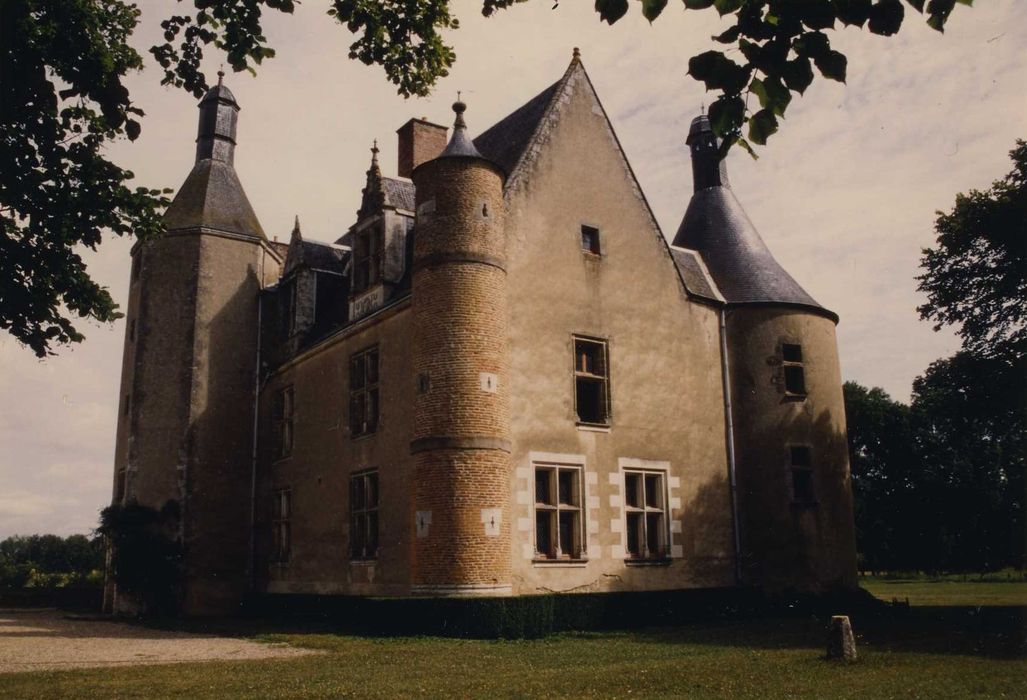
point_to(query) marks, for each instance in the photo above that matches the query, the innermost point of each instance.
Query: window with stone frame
(794, 371)
(363, 515)
(591, 381)
(281, 530)
(363, 392)
(367, 257)
(801, 469)
(282, 418)
(558, 513)
(645, 515)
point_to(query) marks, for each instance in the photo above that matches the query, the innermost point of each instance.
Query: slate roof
(505, 141)
(315, 255)
(399, 193)
(743, 268)
(693, 274)
(212, 197)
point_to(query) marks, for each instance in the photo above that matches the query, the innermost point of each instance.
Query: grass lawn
(916, 652)
(948, 590)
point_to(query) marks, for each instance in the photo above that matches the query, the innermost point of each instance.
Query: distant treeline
(50, 561)
(939, 484)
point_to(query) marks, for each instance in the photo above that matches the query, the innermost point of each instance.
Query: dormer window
(367, 258)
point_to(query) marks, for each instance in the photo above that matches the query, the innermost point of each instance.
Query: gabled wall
(664, 356)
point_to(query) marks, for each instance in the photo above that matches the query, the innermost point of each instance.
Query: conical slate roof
(716, 226)
(212, 197)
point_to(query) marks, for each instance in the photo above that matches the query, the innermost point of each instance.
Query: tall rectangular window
(282, 414)
(280, 529)
(591, 381)
(367, 258)
(645, 514)
(794, 372)
(558, 529)
(802, 474)
(363, 515)
(590, 240)
(363, 392)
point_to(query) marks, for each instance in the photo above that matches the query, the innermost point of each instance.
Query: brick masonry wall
(419, 142)
(461, 423)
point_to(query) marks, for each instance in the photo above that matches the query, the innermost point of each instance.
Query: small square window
(590, 240)
(791, 353)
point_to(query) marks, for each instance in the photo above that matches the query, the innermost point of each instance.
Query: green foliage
(975, 277)
(49, 561)
(885, 470)
(61, 103)
(940, 485)
(146, 555)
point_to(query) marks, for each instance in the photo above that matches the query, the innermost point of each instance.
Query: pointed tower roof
(716, 226)
(212, 196)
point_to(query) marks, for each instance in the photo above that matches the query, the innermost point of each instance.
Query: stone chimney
(419, 141)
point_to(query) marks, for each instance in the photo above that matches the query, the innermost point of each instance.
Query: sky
(845, 194)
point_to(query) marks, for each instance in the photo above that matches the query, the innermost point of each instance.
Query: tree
(976, 276)
(969, 417)
(885, 471)
(62, 101)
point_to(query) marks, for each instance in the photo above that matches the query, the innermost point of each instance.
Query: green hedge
(509, 617)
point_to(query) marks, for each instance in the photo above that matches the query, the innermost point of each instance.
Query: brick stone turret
(462, 418)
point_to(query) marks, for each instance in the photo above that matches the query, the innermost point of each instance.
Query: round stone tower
(461, 441)
(784, 387)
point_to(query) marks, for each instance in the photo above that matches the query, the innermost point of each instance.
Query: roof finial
(374, 153)
(702, 107)
(221, 74)
(296, 225)
(576, 56)
(459, 107)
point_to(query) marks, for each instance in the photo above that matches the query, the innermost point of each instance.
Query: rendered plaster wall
(664, 359)
(189, 376)
(787, 544)
(325, 455)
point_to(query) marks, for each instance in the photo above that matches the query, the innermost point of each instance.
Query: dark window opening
(363, 508)
(558, 533)
(282, 417)
(363, 393)
(645, 515)
(281, 531)
(120, 486)
(794, 372)
(367, 258)
(591, 382)
(802, 474)
(590, 240)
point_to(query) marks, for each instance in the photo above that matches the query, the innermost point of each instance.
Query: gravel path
(35, 640)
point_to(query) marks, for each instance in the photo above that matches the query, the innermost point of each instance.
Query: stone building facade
(501, 380)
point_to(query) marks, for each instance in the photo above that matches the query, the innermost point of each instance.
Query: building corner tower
(189, 374)
(461, 440)
(784, 389)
